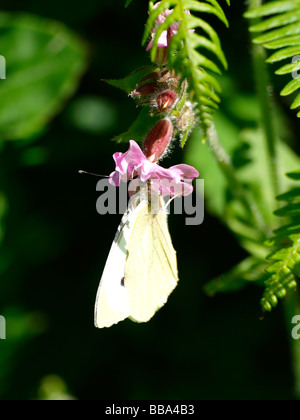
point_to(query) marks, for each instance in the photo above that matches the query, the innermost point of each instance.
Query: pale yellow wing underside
(111, 302)
(151, 266)
(141, 268)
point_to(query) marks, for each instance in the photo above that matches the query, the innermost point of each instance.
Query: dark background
(56, 246)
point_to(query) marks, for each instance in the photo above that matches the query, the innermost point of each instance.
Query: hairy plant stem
(236, 187)
(292, 304)
(264, 92)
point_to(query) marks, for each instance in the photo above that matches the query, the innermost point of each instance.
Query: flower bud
(145, 90)
(165, 38)
(186, 117)
(167, 76)
(165, 100)
(161, 57)
(158, 140)
(154, 76)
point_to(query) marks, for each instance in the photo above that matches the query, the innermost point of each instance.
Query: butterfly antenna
(90, 173)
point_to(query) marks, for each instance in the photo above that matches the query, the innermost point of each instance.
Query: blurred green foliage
(44, 61)
(62, 117)
(249, 155)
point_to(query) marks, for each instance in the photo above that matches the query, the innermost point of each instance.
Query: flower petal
(163, 39)
(172, 182)
(115, 178)
(185, 171)
(148, 169)
(127, 163)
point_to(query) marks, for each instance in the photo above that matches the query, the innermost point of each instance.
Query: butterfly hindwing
(151, 266)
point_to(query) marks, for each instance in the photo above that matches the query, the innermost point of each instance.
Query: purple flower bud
(154, 75)
(165, 100)
(158, 140)
(145, 90)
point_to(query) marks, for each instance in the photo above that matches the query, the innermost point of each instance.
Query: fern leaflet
(285, 260)
(280, 31)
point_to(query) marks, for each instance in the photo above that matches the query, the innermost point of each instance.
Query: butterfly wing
(112, 303)
(151, 266)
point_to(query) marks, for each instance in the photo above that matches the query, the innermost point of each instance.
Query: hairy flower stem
(264, 92)
(236, 187)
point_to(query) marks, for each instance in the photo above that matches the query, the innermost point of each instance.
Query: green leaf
(289, 68)
(290, 209)
(282, 273)
(278, 33)
(296, 103)
(281, 20)
(44, 64)
(274, 7)
(249, 270)
(128, 83)
(214, 9)
(291, 87)
(283, 42)
(280, 30)
(139, 129)
(290, 195)
(294, 175)
(284, 261)
(284, 53)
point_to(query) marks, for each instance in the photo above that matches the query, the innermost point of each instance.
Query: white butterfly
(141, 268)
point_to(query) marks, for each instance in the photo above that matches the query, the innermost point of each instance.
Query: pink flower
(133, 163)
(165, 37)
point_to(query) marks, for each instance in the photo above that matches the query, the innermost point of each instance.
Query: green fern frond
(250, 270)
(280, 30)
(285, 260)
(186, 52)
